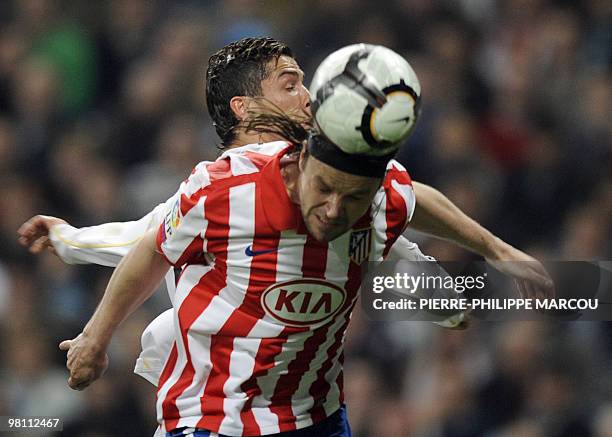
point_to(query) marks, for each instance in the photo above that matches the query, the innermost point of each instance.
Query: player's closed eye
(355, 197)
(323, 189)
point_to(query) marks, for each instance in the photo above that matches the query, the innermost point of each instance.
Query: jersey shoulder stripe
(399, 192)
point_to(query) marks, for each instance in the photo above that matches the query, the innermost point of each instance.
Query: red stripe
(192, 252)
(289, 382)
(216, 171)
(396, 215)
(221, 178)
(220, 169)
(169, 367)
(259, 159)
(321, 387)
(269, 348)
(239, 324)
(191, 308)
(200, 297)
(314, 263)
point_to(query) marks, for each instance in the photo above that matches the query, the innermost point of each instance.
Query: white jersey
(106, 244)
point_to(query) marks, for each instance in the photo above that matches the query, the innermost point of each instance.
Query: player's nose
(305, 96)
(333, 208)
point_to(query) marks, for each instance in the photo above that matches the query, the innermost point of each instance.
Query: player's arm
(133, 281)
(435, 214)
(103, 244)
(406, 250)
(137, 276)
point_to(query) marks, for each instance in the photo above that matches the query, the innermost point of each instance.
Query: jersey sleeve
(392, 209)
(401, 200)
(180, 236)
(407, 251)
(103, 244)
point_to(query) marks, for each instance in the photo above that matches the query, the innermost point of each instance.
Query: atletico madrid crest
(360, 245)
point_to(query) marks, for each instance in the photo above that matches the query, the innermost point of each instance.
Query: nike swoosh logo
(250, 252)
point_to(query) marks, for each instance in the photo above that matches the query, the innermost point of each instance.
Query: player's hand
(86, 360)
(531, 278)
(465, 323)
(34, 234)
(457, 322)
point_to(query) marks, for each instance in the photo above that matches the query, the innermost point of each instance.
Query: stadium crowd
(102, 114)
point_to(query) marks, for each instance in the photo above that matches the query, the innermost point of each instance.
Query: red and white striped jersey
(261, 308)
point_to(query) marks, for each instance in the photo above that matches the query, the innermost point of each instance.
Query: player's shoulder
(233, 165)
(397, 172)
(396, 191)
(244, 160)
(269, 150)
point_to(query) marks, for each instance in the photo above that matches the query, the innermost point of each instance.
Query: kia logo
(302, 302)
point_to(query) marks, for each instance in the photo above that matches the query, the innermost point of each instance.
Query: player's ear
(303, 157)
(239, 106)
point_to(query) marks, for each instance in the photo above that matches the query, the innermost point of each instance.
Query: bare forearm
(436, 215)
(134, 280)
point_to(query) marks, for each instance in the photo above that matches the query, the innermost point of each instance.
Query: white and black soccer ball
(366, 99)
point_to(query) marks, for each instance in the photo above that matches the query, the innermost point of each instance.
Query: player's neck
(243, 138)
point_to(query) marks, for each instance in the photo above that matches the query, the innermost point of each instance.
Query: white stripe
(242, 357)
(289, 258)
(199, 349)
(379, 212)
(221, 306)
(219, 310)
(336, 271)
(302, 401)
(333, 396)
(198, 179)
(379, 225)
(332, 402)
(288, 266)
(242, 165)
(269, 149)
(199, 338)
(191, 276)
(407, 193)
(338, 261)
(191, 225)
(259, 407)
(261, 404)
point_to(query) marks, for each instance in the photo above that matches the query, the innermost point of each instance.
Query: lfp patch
(172, 219)
(360, 245)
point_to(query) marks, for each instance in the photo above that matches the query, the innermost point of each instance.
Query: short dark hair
(238, 70)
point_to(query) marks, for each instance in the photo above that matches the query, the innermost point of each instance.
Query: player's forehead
(283, 66)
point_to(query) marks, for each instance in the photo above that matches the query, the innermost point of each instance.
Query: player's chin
(327, 232)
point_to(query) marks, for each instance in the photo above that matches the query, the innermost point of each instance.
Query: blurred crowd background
(102, 115)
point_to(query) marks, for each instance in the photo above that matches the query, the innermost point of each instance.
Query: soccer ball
(366, 99)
